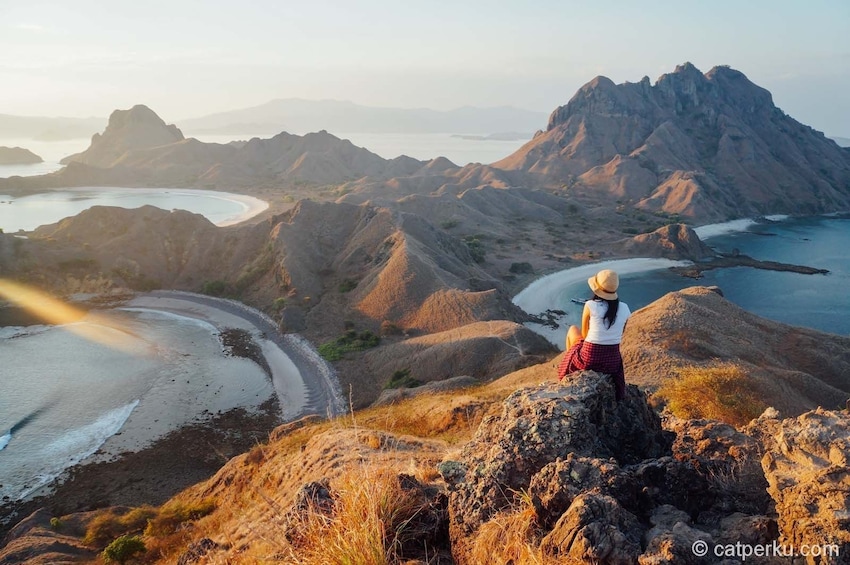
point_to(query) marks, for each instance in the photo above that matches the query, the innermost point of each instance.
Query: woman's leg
(573, 336)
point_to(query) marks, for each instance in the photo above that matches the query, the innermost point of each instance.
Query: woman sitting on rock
(596, 346)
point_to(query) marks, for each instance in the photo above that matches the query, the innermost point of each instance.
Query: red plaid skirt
(594, 357)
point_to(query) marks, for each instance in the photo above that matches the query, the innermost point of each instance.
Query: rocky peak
(127, 130)
(704, 146)
(684, 88)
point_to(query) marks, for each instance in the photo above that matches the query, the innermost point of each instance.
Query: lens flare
(52, 311)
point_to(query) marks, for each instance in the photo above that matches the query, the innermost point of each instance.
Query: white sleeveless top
(598, 332)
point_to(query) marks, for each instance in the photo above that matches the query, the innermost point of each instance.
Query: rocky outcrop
(791, 368)
(128, 130)
(18, 156)
(704, 146)
(605, 484)
(808, 473)
(674, 241)
(543, 426)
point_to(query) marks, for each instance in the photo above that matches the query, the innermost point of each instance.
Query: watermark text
(743, 551)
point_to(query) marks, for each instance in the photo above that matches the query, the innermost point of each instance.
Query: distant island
(295, 115)
(18, 156)
(502, 136)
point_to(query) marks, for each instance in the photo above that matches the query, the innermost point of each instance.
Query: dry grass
(513, 537)
(721, 391)
(371, 519)
(369, 525)
(175, 513)
(108, 525)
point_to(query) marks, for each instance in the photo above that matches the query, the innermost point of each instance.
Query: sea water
(63, 397)
(28, 212)
(821, 302)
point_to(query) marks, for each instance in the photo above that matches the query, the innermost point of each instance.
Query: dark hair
(611, 313)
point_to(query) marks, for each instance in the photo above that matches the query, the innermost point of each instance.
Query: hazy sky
(187, 58)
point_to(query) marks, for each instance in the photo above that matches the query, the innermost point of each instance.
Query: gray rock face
(595, 529)
(808, 471)
(547, 437)
(729, 460)
(606, 484)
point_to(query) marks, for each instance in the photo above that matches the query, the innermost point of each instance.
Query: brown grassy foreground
(246, 507)
(720, 391)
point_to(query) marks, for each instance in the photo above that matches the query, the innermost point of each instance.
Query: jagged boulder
(728, 460)
(667, 481)
(576, 421)
(554, 488)
(808, 472)
(595, 529)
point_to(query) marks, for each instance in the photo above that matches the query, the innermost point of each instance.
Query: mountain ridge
(698, 145)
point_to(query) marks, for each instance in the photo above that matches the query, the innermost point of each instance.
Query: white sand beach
(544, 293)
(303, 381)
(713, 230)
(250, 206)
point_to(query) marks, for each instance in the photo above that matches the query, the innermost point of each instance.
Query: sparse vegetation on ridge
(348, 342)
(720, 391)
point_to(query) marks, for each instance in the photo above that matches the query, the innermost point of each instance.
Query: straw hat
(604, 284)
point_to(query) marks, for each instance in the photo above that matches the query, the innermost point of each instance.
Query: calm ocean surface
(28, 212)
(821, 302)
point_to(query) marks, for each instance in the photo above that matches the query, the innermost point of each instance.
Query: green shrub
(123, 549)
(55, 524)
(521, 268)
(475, 247)
(279, 304)
(214, 288)
(349, 341)
(347, 285)
(402, 379)
(449, 224)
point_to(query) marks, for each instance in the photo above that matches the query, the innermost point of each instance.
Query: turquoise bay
(821, 302)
